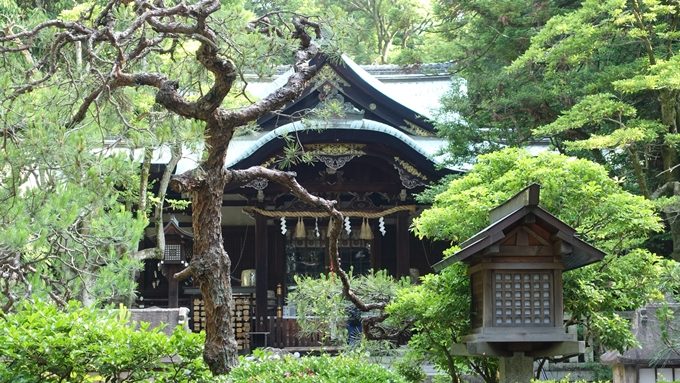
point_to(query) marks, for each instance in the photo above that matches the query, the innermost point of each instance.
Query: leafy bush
(322, 308)
(410, 368)
(320, 369)
(44, 344)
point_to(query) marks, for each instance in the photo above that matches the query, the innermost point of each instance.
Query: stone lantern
(515, 267)
(178, 252)
(178, 244)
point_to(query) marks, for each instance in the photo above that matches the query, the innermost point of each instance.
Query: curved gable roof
(355, 86)
(351, 128)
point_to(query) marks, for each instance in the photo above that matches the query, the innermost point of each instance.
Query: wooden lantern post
(178, 251)
(515, 267)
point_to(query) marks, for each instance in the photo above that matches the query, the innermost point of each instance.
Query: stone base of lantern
(516, 358)
(517, 368)
(533, 343)
(519, 334)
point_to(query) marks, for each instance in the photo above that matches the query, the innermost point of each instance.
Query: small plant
(321, 369)
(410, 368)
(322, 309)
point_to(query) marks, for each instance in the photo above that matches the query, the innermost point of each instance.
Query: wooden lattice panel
(173, 252)
(522, 298)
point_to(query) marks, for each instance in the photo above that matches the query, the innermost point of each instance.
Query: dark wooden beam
(403, 246)
(261, 271)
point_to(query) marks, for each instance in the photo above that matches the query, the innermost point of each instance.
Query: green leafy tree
(369, 31)
(625, 56)
(488, 107)
(372, 31)
(598, 79)
(577, 191)
(74, 205)
(437, 311)
(668, 314)
(323, 309)
(64, 227)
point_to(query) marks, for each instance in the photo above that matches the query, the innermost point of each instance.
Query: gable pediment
(359, 93)
(525, 241)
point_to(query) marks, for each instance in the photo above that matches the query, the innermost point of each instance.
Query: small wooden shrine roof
(173, 228)
(515, 212)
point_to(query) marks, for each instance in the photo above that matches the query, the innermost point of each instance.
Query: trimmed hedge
(43, 344)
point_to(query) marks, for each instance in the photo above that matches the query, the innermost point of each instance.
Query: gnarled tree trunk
(211, 269)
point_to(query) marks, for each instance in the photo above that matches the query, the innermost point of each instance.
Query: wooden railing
(284, 333)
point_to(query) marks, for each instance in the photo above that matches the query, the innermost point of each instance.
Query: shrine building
(372, 154)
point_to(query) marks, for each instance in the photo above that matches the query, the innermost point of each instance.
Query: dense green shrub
(410, 368)
(320, 369)
(41, 343)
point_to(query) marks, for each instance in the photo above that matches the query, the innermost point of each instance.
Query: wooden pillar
(173, 285)
(518, 368)
(376, 250)
(403, 245)
(261, 271)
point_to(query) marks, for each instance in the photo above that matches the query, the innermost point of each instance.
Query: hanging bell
(300, 232)
(365, 233)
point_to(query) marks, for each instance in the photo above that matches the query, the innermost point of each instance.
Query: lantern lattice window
(522, 298)
(173, 253)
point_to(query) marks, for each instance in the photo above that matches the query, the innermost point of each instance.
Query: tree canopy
(625, 55)
(596, 79)
(496, 108)
(372, 31)
(66, 232)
